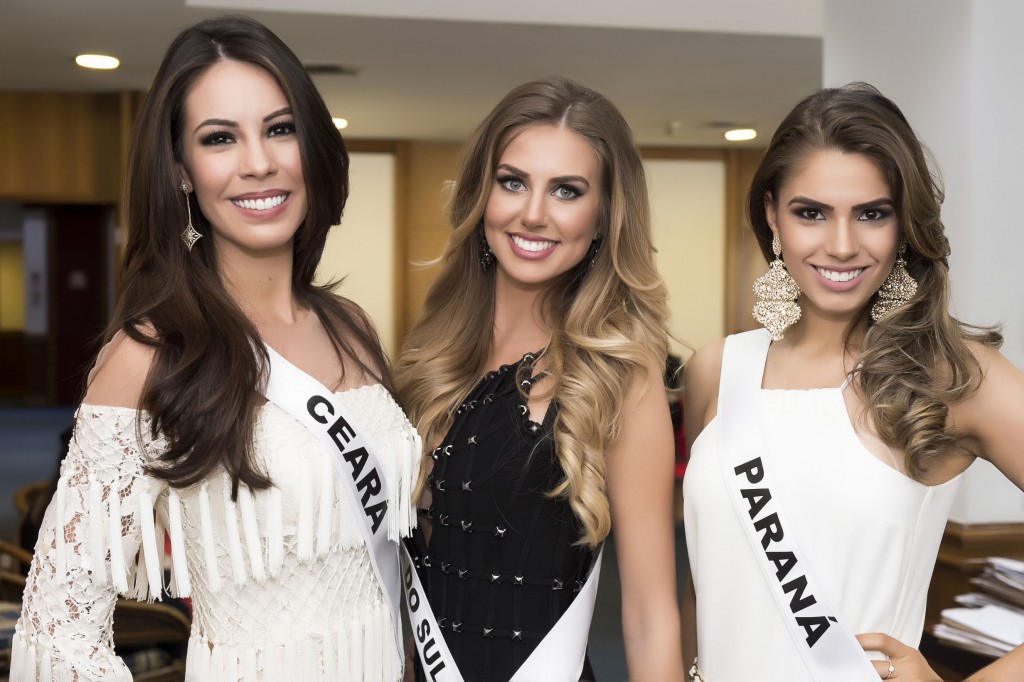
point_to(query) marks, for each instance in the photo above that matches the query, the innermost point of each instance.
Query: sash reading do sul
(358, 466)
(559, 657)
(828, 648)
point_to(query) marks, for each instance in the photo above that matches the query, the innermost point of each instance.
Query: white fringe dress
(281, 582)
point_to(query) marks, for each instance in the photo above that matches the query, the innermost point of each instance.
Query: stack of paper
(990, 622)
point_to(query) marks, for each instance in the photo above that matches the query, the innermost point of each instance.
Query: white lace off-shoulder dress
(280, 580)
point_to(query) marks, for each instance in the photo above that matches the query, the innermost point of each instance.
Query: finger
(885, 669)
(878, 641)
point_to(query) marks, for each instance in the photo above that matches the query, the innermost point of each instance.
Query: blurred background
(412, 79)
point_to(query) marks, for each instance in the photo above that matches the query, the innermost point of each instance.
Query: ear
(771, 213)
(184, 175)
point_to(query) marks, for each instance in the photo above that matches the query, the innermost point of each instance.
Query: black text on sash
(770, 529)
(375, 506)
(421, 627)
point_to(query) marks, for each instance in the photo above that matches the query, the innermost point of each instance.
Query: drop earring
(776, 292)
(486, 255)
(190, 235)
(898, 288)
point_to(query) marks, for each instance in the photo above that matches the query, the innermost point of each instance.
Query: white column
(953, 67)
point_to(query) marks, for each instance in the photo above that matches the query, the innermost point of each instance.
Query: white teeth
(260, 204)
(845, 276)
(531, 245)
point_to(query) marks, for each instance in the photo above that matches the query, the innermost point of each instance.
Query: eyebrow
(875, 203)
(559, 180)
(233, 124)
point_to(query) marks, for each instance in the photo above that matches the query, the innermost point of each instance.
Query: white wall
(688, 212)
(362, 248)
(952, 66)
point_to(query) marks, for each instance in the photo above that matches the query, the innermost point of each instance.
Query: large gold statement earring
(898, 288)
(776, 293)
(190, 236)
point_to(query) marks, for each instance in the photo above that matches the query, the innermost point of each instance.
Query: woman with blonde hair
(827, 448)
(228, 403)
(534, 377)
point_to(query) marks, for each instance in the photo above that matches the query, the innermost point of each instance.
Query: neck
(260, 284)
(816, 335)
(519, 324)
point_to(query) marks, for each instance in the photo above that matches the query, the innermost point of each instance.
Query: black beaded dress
(502, 564)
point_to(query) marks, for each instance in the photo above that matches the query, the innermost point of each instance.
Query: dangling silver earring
(595, 248)
(898, 288)
(190, 236)
(486, 255)
(776, 292)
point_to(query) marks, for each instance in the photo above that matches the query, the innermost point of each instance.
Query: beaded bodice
(502, 563)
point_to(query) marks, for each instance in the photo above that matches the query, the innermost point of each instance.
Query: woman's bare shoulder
(120, 372)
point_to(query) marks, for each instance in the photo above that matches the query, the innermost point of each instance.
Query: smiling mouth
(260, 204)
(532, 244)
(837, 276)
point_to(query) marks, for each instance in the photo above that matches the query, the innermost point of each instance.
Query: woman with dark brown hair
(236, 404)
(827, 448)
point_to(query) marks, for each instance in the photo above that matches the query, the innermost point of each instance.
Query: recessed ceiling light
(740, 134)
(340, 123)
(97, 61)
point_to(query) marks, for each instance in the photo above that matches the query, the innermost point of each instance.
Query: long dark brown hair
(202, 391)
(915, 360)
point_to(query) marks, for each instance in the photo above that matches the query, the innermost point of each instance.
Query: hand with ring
(901, 661)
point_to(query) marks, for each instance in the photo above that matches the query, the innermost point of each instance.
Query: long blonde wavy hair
(607, 321)
(915, 360)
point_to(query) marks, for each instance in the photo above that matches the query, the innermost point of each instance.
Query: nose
(257, 159)
(534, 212)
(842, 239)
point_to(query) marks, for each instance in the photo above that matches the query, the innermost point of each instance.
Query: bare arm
(640, 479)
(992, 420)
(689, 622)
(700, 399)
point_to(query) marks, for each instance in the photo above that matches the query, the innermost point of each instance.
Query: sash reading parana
(829, 650)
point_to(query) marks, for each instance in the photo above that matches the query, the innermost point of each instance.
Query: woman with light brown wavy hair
(827, 447)
(534, 377)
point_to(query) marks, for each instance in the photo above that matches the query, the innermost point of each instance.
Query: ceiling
(675, 68)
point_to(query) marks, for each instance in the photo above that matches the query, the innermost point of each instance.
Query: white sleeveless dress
(280, 580)
(869, 533)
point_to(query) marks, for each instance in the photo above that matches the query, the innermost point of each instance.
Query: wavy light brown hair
(915, 361)
(202, 391)
(606, 322)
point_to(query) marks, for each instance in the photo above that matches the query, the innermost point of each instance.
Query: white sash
(320, 411)
(828, 648)
(559, 657)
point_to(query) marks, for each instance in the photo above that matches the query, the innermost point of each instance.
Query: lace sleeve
(88, 550)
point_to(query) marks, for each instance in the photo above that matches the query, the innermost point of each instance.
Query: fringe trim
(148, 572)
(32, 660)
(275, 531)
(362, 651)
(305, 545)
(61, 530)
(180, 582)
(206, 538)
(234, 540)
(95, 559)
(118, 571)
(252, 534)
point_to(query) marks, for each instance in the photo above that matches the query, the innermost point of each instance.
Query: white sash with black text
(559, 657)
(320, 411)
(828, 648)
